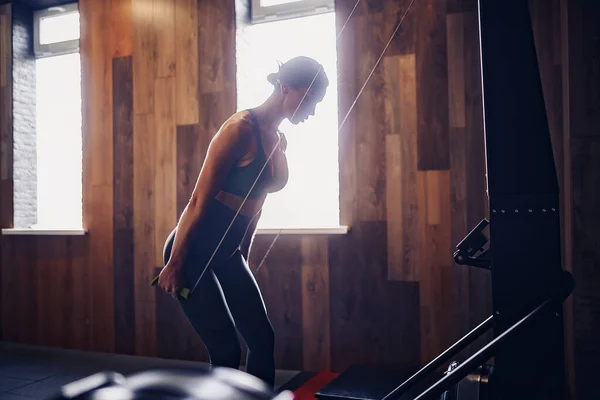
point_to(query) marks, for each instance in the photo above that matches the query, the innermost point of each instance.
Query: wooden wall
(412, 178)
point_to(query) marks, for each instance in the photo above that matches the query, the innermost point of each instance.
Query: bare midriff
(250, 207)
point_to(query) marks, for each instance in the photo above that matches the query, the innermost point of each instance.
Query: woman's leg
(209, 315)
(250, 315)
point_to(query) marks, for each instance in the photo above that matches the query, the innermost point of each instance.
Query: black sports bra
(240, 179)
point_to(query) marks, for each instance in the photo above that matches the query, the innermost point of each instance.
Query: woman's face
(299, 103)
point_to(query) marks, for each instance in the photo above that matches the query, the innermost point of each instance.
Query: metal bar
(443, 357)
(481, 356)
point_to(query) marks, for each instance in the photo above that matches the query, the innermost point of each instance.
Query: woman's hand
(170, 279)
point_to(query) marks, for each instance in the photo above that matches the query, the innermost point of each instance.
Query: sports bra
(239, 181)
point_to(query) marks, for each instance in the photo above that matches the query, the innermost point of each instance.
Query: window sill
(337, 230)
(43, 232)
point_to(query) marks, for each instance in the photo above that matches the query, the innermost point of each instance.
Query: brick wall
(24, 119)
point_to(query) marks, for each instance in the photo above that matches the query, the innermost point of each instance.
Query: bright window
(59, 134)
(311, 197)
(59, 142)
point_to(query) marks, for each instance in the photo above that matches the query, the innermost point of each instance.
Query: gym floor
(29, 372)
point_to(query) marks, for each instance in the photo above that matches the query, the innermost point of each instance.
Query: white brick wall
(24, 119)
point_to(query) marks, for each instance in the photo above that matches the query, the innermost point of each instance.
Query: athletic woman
(227, 299)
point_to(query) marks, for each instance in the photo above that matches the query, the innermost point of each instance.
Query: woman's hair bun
(273, 78)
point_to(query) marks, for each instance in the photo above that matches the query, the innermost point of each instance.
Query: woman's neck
(270, 114)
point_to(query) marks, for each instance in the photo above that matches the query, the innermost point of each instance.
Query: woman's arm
(229, 144)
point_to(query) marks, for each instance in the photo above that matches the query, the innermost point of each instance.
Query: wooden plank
(456, 70)
(397, 12)
(189, 163)
(216, 38)
(144, 150)
(145, 328)
(436, 263)
(123, 241)
(79, 269)
(54, 305)
(215, 108)
(186, 49)
(364, 253)
(101, 258)
(461, 6)
(315, 304)
(144, 56)
(370, 114)
(408, 151)
(144, 165)
(165, 186)
(432, 87)
(401, 166)
(101, 90)
(164, 29)
(122, 28)
(23, 291)
(98, 174)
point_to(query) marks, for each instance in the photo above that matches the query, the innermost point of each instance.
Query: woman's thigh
(206, 308)
(243, 296)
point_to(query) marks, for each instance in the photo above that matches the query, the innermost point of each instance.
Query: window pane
(311, 197)
(59, 142)
(59, 28)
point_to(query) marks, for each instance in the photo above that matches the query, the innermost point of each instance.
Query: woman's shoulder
(241, 122)
(237, 131)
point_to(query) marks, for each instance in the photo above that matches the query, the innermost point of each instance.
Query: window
(270, 10)
(57, 135)
(311, 197)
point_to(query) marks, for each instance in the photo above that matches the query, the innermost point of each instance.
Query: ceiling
(39, 4)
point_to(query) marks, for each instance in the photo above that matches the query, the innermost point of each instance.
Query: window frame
(301, 8)
(59, 48)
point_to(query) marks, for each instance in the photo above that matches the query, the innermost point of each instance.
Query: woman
(227, 299)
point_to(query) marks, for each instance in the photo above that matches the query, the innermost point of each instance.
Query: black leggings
(227, 299)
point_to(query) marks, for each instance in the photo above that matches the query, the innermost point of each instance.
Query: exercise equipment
(529, 284)
(218, 383)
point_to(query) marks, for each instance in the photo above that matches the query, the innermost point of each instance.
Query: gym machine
(529, 284)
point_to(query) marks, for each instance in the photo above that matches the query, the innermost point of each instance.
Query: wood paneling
(315, 303)
(123, 240)
(432, 86)
(412, 185)
(186, 77)
(121, 27)
(6, 135)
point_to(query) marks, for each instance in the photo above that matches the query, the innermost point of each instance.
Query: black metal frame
(549, 308)
(529, 284)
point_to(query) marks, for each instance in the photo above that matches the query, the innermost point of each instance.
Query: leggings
(227, 300)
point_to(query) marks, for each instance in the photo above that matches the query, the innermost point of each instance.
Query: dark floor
(28, 372)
